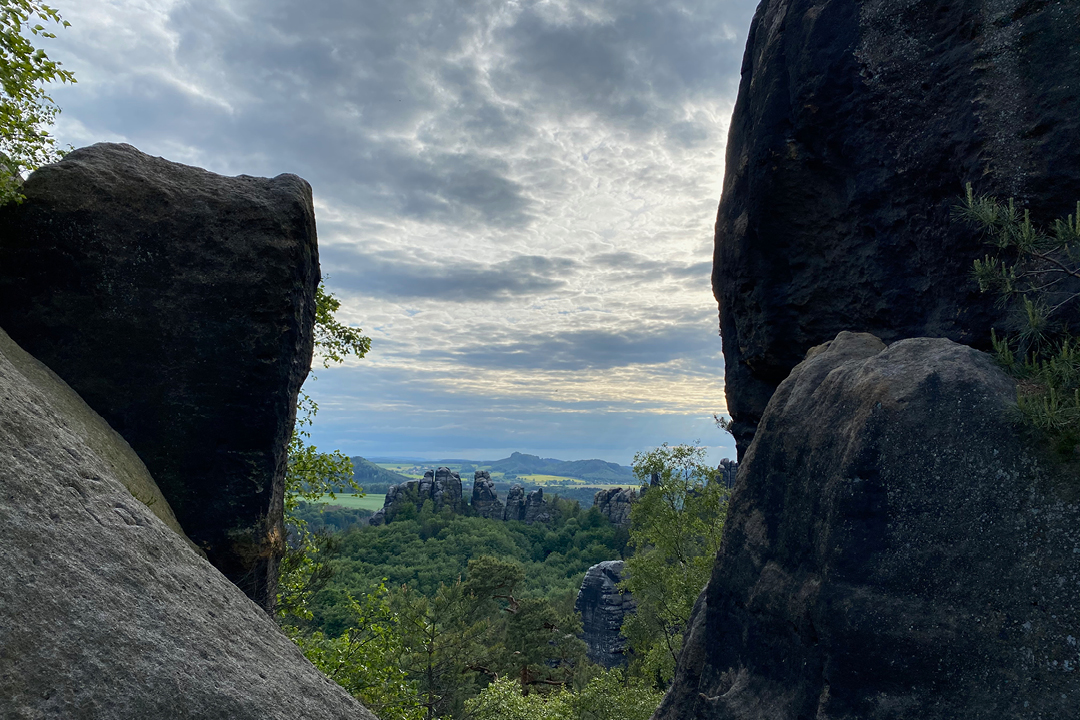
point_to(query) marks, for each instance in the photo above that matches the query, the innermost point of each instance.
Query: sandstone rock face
(614, 504)
(441, 486)
(530, 508)
(603, 607)
(106, 612)
(856, 125)
(515, 504)
(485, 501)
(892, 550)
(179, 304)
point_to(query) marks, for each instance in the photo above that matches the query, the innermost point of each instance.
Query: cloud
(404, 275)
(588, 349)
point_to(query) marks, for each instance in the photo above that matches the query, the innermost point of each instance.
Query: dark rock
(855, 128)
(536, 509)
(726, 472)
(530, 508)
(485, 500)
(893, 549)
(179, 304)
(442, 487)
(106, 612)
(614, 504)
(446, 491)
(603, 607)
(515, 504)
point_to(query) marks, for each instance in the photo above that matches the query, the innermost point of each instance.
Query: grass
(369, 502)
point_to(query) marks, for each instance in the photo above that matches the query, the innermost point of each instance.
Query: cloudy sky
(515, 198)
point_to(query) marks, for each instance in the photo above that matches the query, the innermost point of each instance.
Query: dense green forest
(439, 615)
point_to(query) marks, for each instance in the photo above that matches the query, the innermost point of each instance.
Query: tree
(366, 659)
(1035, 272)
(26, 111)
(310, 473)
(675, 530)
(606, 697)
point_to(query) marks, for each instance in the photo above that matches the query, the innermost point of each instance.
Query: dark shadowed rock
(536, 509)
(515, 504)
(892, 550)
(179, 304)
(441, 486)
(106, 612)
(446, 492)
(603, 607)
(726, 472)
(614, 504)
(485, 500)
(855, 128)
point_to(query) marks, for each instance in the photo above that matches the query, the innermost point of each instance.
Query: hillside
(523, 464)
(368, 473)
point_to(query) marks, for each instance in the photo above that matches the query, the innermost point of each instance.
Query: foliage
(366, 658)
(1036, 274)
(26, 111)
(675, 530)
(605, 697)
(310, 473)
(426, 549)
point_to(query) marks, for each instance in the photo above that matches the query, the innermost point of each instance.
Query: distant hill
(368, 473)
(523, 464)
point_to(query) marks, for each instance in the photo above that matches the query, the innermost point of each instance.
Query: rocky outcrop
(726, 472)
(527, 508)
(179, 304)
(614, 504)
(894, 549)
(441, 486)
(485, 501)
(855, 128)
(105, 611)
(603, 607)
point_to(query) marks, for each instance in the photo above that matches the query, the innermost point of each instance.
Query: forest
(442, 615)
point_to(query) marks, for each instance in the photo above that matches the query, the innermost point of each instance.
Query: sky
(515, 199)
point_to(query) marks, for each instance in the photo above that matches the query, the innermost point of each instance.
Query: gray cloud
(590, 349)
(398, 275)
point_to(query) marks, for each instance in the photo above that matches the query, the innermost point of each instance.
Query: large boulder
(603, 607)
(106, 612)
(485, 500)
(855, 128)
(179, 304)
(614, 504)
(894, 549)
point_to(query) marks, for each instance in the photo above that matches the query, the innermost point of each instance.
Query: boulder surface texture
(179, 304)
(855, 128)
(603, 607)
(893, 550)
(105, 611)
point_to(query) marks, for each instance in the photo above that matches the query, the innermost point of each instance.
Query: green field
(370, 502)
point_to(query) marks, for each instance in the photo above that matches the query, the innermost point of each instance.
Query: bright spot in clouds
(515, 199)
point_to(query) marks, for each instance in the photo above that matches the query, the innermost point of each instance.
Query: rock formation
(603, 607)
(529, 509)
(726, 472)
(485, 501)
(441, 486)
(855, 128)
(894, 549)
(179, 304)
(614, 504)
(105, 611)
